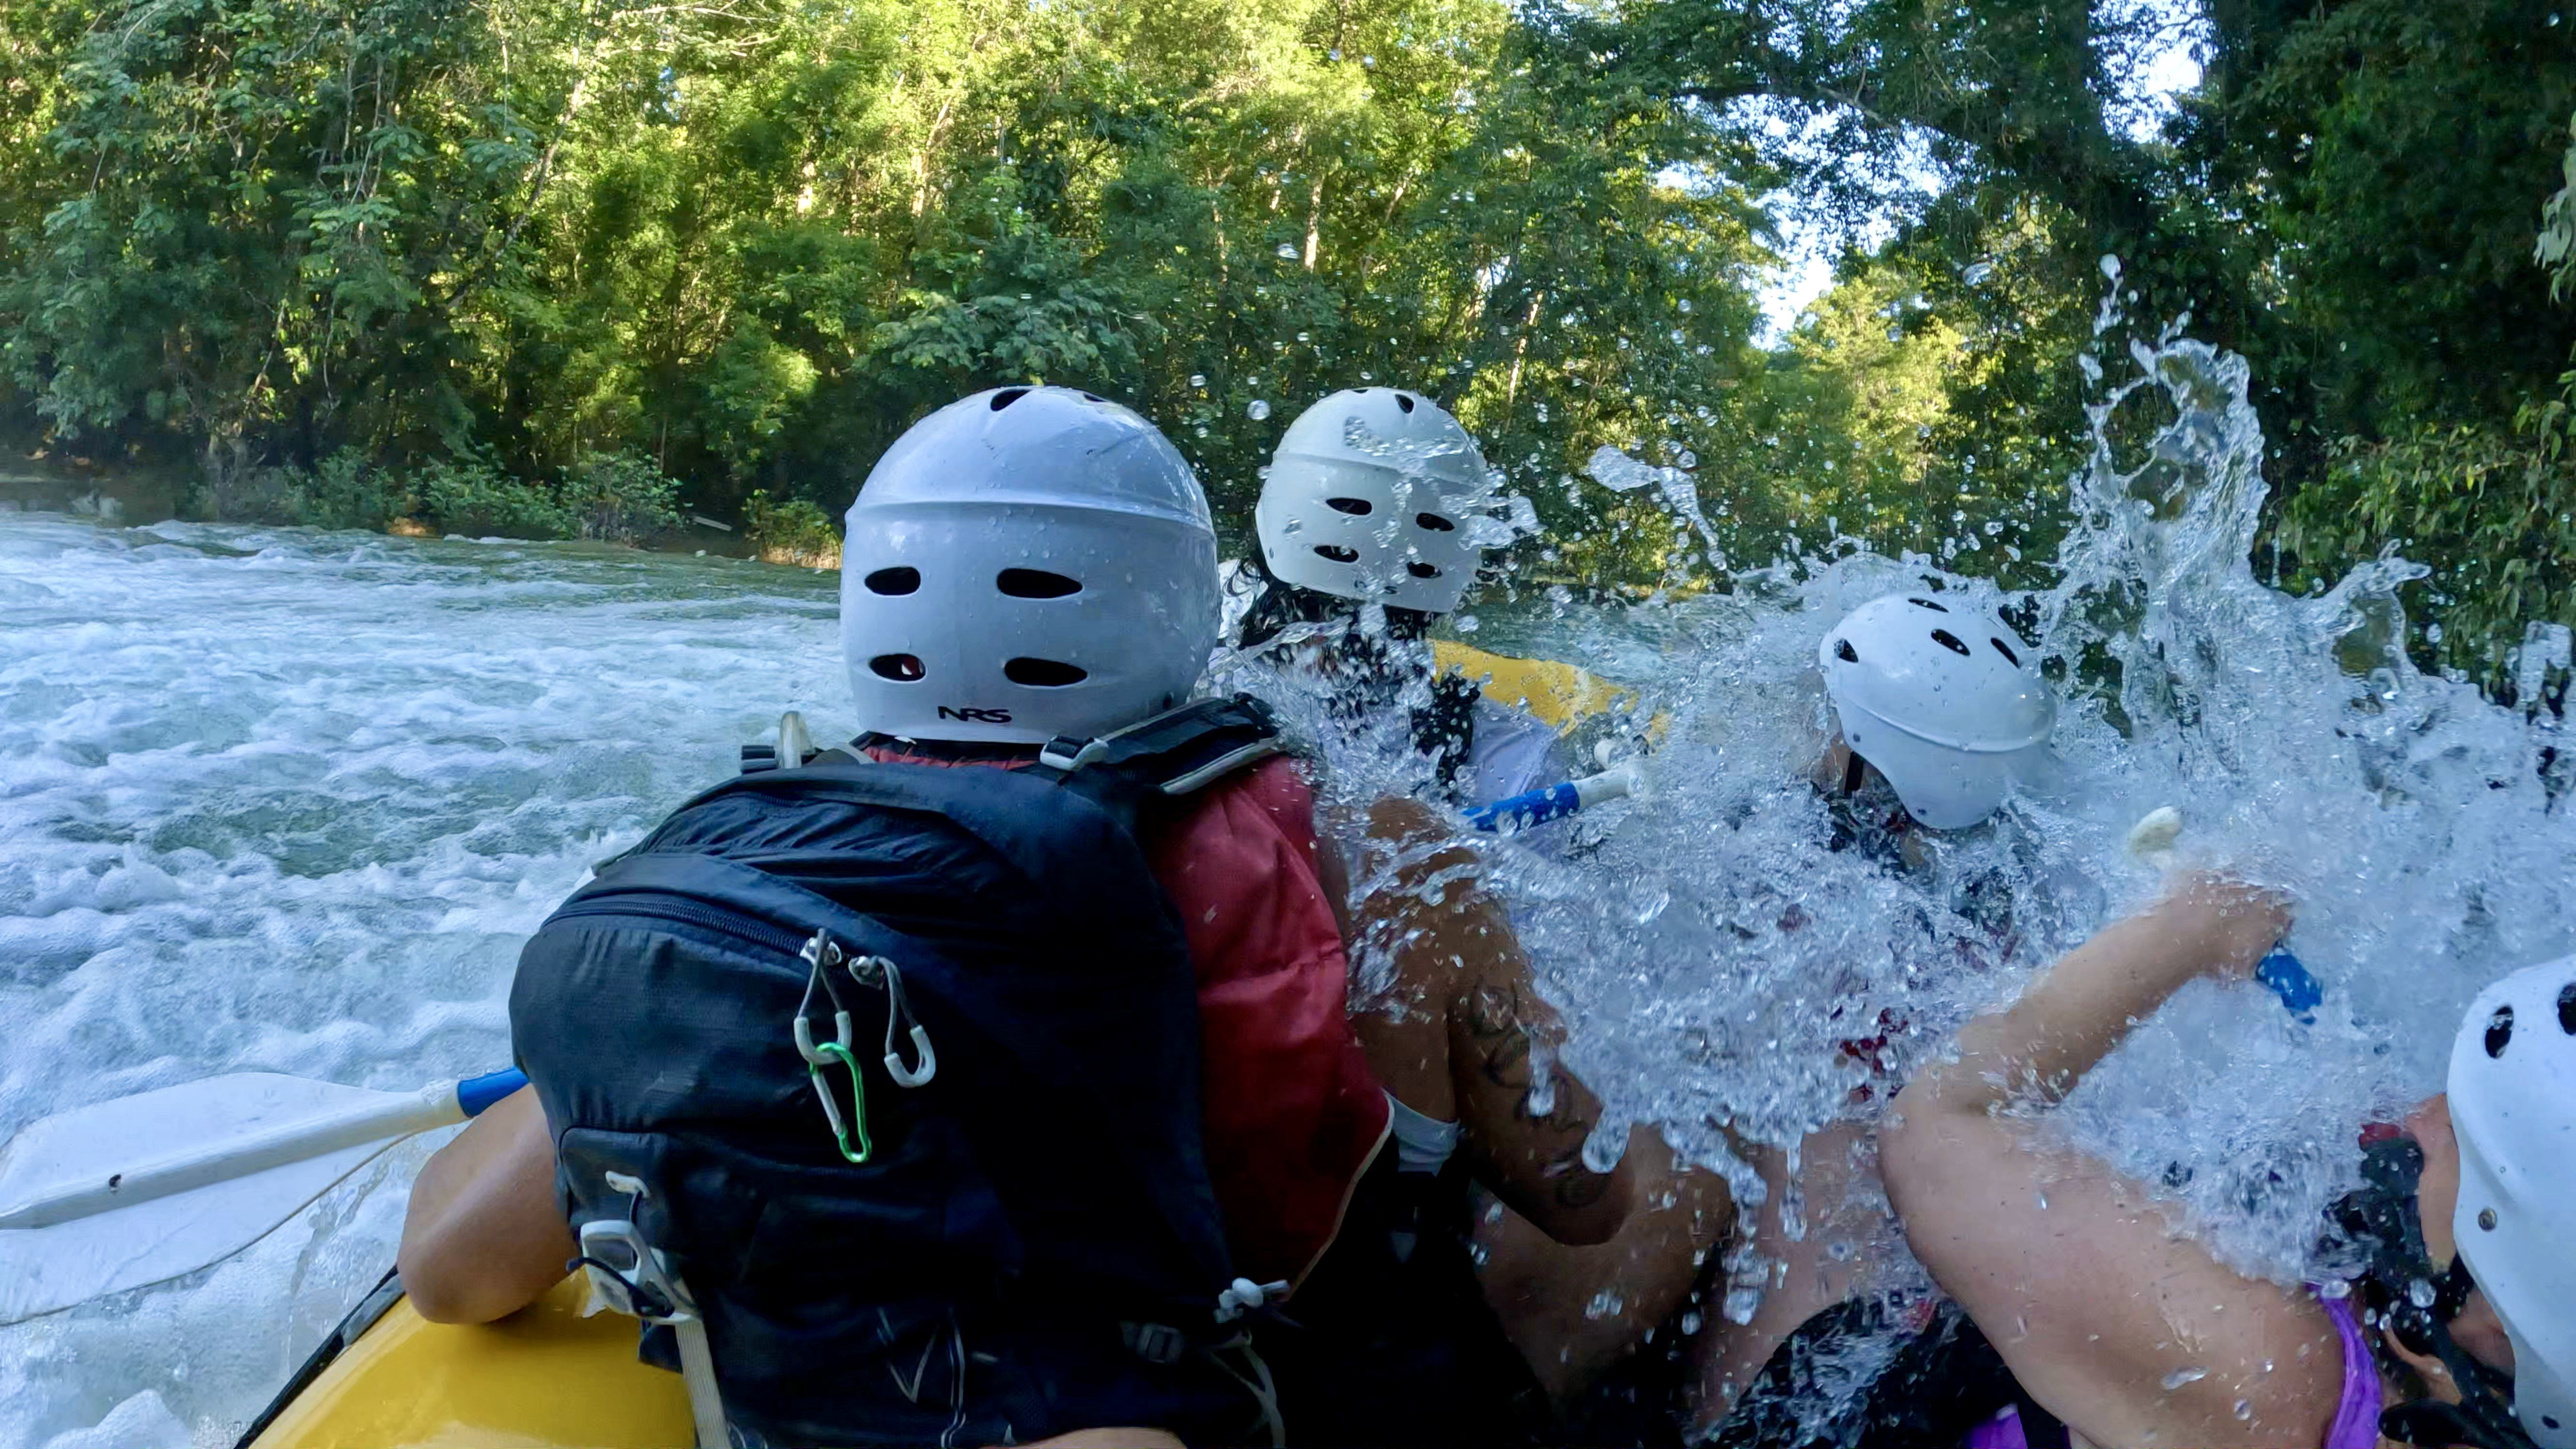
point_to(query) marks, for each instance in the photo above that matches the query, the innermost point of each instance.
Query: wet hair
(1367, 673)
(1280, 606)
(2377, 1230)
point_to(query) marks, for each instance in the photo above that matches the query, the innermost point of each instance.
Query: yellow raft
(548, 1378)
(543, 1378)
(1558, 695)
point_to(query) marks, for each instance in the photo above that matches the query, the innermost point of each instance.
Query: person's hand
(2235, 920)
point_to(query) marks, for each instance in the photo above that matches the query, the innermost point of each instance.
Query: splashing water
(1792, 983)
(1620, 473)
(289, 801)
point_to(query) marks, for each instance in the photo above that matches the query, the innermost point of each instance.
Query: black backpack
(1007, 1231)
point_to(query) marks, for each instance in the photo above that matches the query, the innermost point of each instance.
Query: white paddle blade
(119, 1194)
(108, 1156)
(43, 1270)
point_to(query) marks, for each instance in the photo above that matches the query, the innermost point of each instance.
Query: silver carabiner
(864, 970)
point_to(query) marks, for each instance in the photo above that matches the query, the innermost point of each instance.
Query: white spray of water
(1726, 965)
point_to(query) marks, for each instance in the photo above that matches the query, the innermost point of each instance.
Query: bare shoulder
(2106, 1311)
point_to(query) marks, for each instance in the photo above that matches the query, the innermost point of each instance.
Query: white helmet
(1022, 564)
(2513, 1107)
(1369, 497)
(1941, 698)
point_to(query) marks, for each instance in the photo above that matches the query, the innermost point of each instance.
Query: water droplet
(2182, 1376)
(2245, 1410)
(2110, 266)
(1287, 251)
(1201, 430)
(1334, 54)
(1690, 1324)
(1257, 409)
(1305, 337)
(1977, 272)
(1603, 1304)
(1198, 379)
(2419, 1293)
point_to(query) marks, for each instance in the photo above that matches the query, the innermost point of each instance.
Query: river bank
(41, 479)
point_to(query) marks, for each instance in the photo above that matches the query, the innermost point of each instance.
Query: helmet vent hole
(902, 668)
(1008, 396)
(1928, 604)
(1043, 673)
(2567, 1008)
(1355, 507)
(1035, 584)
(1404, 400)
(1950, 641)
(2005, 650)
(2499, 1030)
(1422, 570)
(894, 581)
(1435, 523)
(1844, 652)
(1337, 553)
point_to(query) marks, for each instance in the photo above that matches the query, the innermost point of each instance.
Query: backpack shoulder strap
(1177, 752)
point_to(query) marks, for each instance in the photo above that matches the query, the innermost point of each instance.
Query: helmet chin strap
(2390, 1216)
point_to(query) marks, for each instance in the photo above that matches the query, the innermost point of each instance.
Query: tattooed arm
(1466, 1033)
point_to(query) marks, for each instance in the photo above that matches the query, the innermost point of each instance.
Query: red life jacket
(1293, 1113)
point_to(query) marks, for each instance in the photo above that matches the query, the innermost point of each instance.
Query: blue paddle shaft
(476, 1093)
(2291, 980)
(1530, 807)
(1555, 802)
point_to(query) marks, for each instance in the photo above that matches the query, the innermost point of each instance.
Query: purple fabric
(2003, 1431)
(2356, 1420)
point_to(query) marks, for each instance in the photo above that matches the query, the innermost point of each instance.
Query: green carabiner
(858, 1121)
(820, 955)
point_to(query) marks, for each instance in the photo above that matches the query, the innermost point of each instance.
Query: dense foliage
(551, 267)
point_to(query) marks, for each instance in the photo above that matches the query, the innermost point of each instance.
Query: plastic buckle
(1155, 1343)
(628, 1275)
(1068, 754)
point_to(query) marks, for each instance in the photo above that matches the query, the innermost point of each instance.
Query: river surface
(289, 801)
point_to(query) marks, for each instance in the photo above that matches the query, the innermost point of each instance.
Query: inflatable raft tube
(542, 1378)
(1559, 695)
